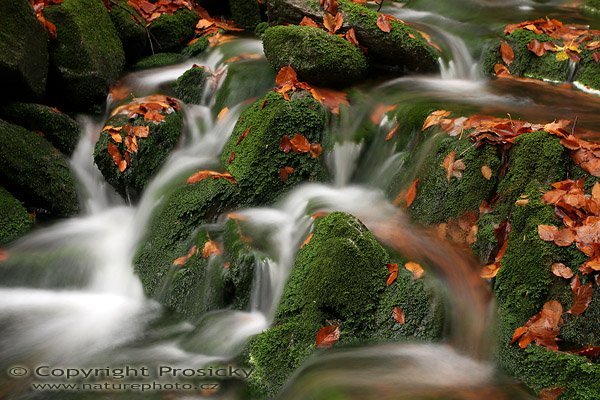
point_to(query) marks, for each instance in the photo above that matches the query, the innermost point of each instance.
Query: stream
(86, 307)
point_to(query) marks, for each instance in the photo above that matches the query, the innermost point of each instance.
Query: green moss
(87, 55)
(258, 156)
(152, 152)
(245, 80)
(58, 128)
(189, 87)
(242, 261)
(316, 56)
(196, 48)
(245, 13)
(170, 32)
(14, 217)
(402, 47)
(261, 28)
(437, 199)
(130, 27)
(526, 63)
(158, 60)
(35, 171)
(588, 72)
(171, 232)
(592, 7)
(24, 61)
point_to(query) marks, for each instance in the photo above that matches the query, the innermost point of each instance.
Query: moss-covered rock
(87, 55)
(245, 13)
(24, 49)
(261, 28)
(14, 217)
(131, 28)
(170, 32)
(35, 171)
(190, 86)
(58, 128)
(403, 47)
(172, 230)
(196, 48)
(152, 151)
(592, 7)
(158, 60)
(245, 80)
(316, 56)
(253, 154)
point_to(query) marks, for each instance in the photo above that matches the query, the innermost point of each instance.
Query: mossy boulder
(253, 154)
(24, 49)
(14, 217)
(131, 28)
(316, 56)
(58, 128)
(245, 13)
(158, 60)
(35, 171)
(86, 56)
(335, 277)
(196, 48)
(173, 229)
(245, 80)
(402, 48)
(152, 151)
(170, 32)
(190, 86)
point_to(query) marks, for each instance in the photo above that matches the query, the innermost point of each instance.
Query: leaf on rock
(204, 174)
(392, 273)
(399, 316)
(551, 394)
(181, 261)
(333, 23)
(327, 336)
(486, 172)
(307, 240)
(507, 53)
(581, 299)
(306, 21)
(411, 194)
(562, 271)
(243, 136)
(383, 23)
(435, 118)
(489, 271)
(415, 269)
(285, 172)
(211, 248)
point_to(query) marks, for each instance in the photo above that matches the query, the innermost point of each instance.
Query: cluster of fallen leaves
(415, 268)
(569, 42)
(38, 7)
(287, 81)
(212, 29)
(211, 248)
(152, 109)
(503, 131)
(298, 144)
(151, 10)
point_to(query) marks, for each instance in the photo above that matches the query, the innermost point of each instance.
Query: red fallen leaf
(285, 172)
(306, 21)
(541, 328)
(330, 98)
(243, 135)
(331, 6)
(435, 118)
(286, 76)
(412, 193)
(536, 47)
(231, 157)
(415, 268)
(501, 71)
(333, 23)
(392, 132)
(564, 237)
(562, 271)
(327, 337)
(307, 240)
(383, 23)
(181, 261)
(596, 56)
(201, 175)
(315, 150)
(507, 53)
(582, 299)
(141, 131)
(485, 208)
(520, 331)
(351, 37)
(489, 271)
(392, 273)
(4, 255)
(551, 394)
(285, 144)
(300, 143)
(113, 150)
(211, 248)
(399, 316)
(591, 352)
(547, 232)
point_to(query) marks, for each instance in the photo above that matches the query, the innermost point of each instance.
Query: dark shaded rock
(14, 218)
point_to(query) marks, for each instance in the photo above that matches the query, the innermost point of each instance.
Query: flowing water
(69, 295)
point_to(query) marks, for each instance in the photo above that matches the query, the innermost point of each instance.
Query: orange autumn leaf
(243, 136)
(415, 269)
(547, 232)
(333, 23)
(307, 240)
(435, 118)
(315, 150)
(222, 114)
(501, 71)
(181, 261)
(332, 99)
(113, 150)
(286, 76)
(551, 393)
(327, 337)
(489, 271)
(392, 132)
(486, 172)
(412, 193)
(211, 248)
(582, 297)
(562, 271)
(399, 316)
(285, 172)
(383, 23)
(541, 328)
(201, 175)
(507, 53)
(392, 273)
(306, 21)
(300, 143)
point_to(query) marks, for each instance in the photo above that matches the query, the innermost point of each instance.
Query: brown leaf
(547, 232)
(486, 172)
(582, 299)
(315, 150)
(307, 240)
(231, 157)
(201, 175)
(507, 53)
(211, 248)
(415, 268)
(501, 71)
(489, 271)
(327, 337)
(181, 261)
(561, 270)
(300, 144)
(383, 23)
(285, 172)
(435, 118)
(285, 144)
(551, 394)
(115, 153)
(286, 76)
(392, 273)
(398, 314)
(536, 48)
(333, 23)
(306, 21)
(591, 352)
(412, 193)
(243, 135)
(392, 132)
